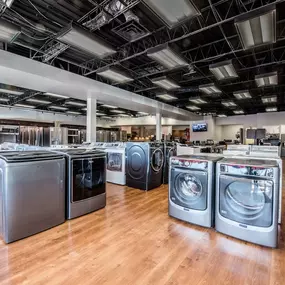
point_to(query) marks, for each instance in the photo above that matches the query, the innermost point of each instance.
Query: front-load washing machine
(191, 189)
(247, 199)
(144, 165)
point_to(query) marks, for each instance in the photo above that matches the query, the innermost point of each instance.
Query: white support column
(91, 123)
(158, 127)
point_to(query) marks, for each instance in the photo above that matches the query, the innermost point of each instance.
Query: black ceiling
(209, 38)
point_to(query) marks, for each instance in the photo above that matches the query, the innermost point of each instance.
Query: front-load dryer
(144, 165)
(247, 199)
(191, 189)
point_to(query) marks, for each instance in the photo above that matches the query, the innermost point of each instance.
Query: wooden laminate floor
(134, 241)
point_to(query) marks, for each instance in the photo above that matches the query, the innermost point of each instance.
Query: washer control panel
(246, 170)
(188, 163)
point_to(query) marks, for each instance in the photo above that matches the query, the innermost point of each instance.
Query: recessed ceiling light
(197, 101)
(73, 112)
(8, 91)
(240, 95)
(114, 75)
(266, 79)
(238, 112)
(25, 106)
(271, 109)
(172, 12)
(164, 55)
(117, 111)
(165, 83)
(8, 31)
(193, 108)
(86, 41)
(73, 103)
(58, 108)
(166, 97)
(223, 70)
(229, 103)
(257, 28)
(4, 99)
(56, 95)
(209, 88)
(38, 101)
(269, 99)
(109, 106)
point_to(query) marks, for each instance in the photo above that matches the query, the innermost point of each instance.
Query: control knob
(187, 163)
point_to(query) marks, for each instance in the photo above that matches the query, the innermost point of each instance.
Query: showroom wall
(229, 131)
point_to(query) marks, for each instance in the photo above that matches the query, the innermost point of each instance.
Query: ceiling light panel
(58, 108)
(109, 106)
(73, 113)
(25, 106)
(267, 79)
(271, 109)
(117, 111)
(167, 57)
(238, 112)
(11, 92)
(143, 113)
(222, 115)
(165, 83)
(114, 75)
(166, 97)
(223, 70)
(124, 115)
(44, 102)
(73, 103)
(8, 31)
(257, 28)
(56, 95)
(4, 100)
(100, 114)
(171, 12)
(193, 108)
(209, 89)
(269, 99)
(243, 94)
(197, 101)
(85, 41)
(229, 103)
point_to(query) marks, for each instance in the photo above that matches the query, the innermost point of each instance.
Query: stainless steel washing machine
(191, 189)
(247, 199)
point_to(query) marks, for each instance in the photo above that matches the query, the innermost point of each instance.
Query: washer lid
(22, 156)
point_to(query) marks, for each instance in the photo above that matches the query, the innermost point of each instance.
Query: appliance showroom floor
(133, 241)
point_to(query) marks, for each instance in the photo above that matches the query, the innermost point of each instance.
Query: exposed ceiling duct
(257, 28)
(8, 31)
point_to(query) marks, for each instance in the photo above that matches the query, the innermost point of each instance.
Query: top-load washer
(170, 149)
(247, 199)
(144, 164)
(191, 189)
(86, 181)
(32, 196)
(116, 163)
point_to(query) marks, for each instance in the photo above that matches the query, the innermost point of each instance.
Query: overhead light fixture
(266, 79)
(271, 109)
(257, 28)
(109, 106)
(114, 75)
(164, 55)
(238, 112)
(229, 103)
(269, 99)
(222, 115)
(143, 113)
(25, 106)
(58, 108)
(100, 114)
(84, 109)
(209, 89)
(8, 31)
(197, 101)
(38, 101)
(11, 92)
(56, 95)
(165, 83)
(107, 117)
(117, 111)
(243, 94)
(73, 103)
(173, 13)
(166, 97)
(73, 112)
(7, 3)
(4, 99)
(193, 108)
(85, 41)
(223, 70)
(124, 115)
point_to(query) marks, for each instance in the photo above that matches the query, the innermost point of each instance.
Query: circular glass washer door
(157, 160)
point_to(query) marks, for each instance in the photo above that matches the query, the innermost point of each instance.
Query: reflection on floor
(133, 241)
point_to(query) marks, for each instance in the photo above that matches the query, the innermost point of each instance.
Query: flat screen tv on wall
(201, 127)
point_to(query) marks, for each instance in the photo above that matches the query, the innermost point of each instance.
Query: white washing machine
(116, 163)
(191, 189)
(247, 194)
